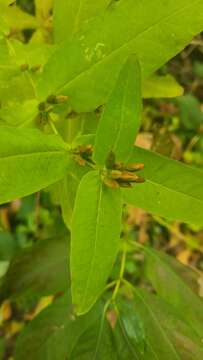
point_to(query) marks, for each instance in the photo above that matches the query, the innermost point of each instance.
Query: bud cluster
(46, 107)
(57, 99)
(83, 154)
(117, 174)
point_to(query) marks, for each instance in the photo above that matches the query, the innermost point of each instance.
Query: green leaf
(5, 3)
(161, 87)
(4, 53)
(172, 189)
(65, 190)
(70, 15)
(176, 340)
(29, 161)
(43, 9)
(19, 114)
(4, 28)
(17, 85)
(40, 270)
(68, 191)
(57, 334)
(86, 68)
(120, 121)
(95, 234)
(17, 19)
(17, 89)
(132, 334)
(7, 60)
(30, 54)
(167, 278)
(67, 194)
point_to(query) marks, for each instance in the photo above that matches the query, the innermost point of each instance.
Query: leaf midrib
(77, 18)
(95, 242)
(126, 339)
(176, 192)
(122, 118)
(160, 327)
(37, 153)
(179, 279)
(60, 88)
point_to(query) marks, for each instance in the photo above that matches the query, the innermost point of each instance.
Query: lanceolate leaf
(132, 334)
(121, 118)
(67, 187)
(57, 334)
(171, 189)
(19, 114)
(70, 15)
(17, 86)
(5, 59)
(167, 337)
(86, 68)
(67, 192)
(29, 161)
(161, 87)
(40, 270)
(95, 237)
(170, 284)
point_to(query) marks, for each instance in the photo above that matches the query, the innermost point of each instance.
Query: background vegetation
(172, 127)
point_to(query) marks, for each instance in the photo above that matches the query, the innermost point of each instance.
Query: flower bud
(115, 174)
(35, 68)
(113, 184)
(128, 176)
(53, 99)
(125, 184)
(134, 167)
(110, 161)
(24, 67)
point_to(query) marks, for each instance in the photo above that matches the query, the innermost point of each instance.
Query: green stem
(53, 126)
(128, 284)
(122, 270)
(110, 285)
(101, 329)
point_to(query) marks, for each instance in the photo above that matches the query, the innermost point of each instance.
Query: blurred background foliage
(172, 127)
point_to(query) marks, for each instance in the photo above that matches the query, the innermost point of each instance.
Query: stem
(53, 126)
(73, 127)
(110, 285)
(135, 244)
(122, 270)
(101, 328)
(128, 284)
